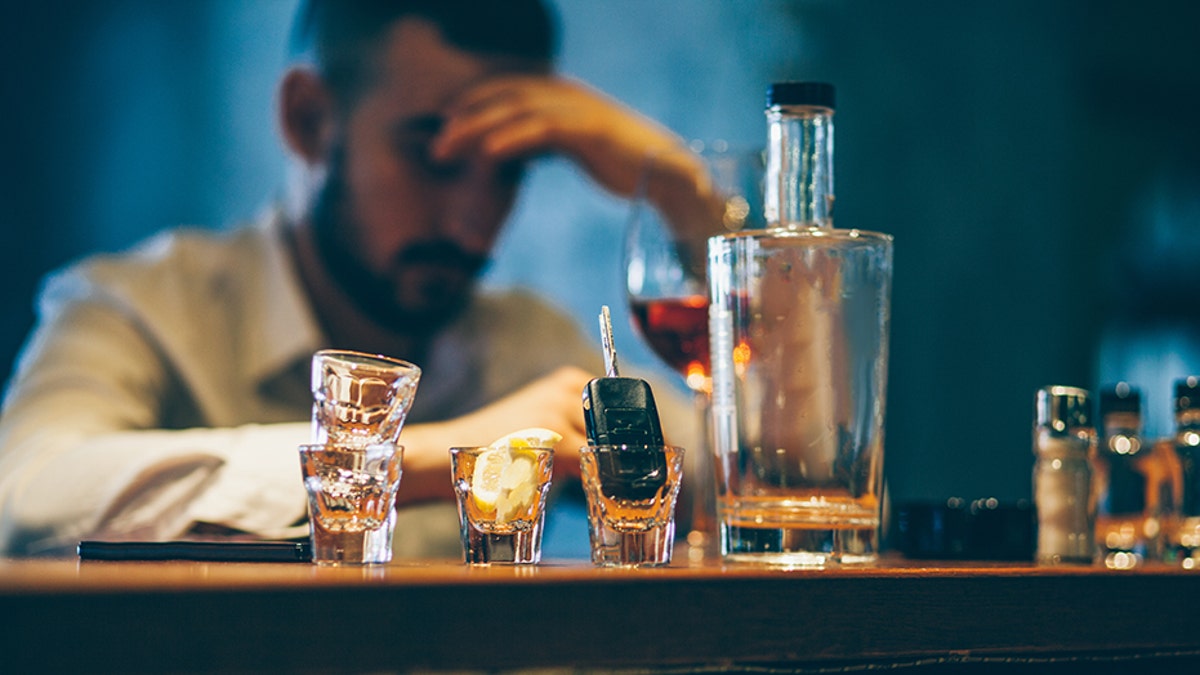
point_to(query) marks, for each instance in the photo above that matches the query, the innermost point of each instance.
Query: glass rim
(815, 233)
(368, 359)
(711, 148)
(624, 447)
(480, 449)
(348, 447)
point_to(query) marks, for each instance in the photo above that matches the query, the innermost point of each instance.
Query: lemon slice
(505, 476)
(485, 481)
(533, 437)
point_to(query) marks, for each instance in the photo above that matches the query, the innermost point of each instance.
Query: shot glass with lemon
(501, 490)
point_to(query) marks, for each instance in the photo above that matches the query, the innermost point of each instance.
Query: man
(164, 392)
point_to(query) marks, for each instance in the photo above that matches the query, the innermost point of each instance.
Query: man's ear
(306, 115)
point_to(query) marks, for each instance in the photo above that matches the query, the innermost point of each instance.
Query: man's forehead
(422, 73)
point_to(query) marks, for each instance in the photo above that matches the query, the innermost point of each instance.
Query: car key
(620, 412)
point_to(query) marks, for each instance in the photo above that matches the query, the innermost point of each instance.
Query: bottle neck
(1122, 433)
(799, 176)
(1188, 420)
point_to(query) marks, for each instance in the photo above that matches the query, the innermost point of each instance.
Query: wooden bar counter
(71, 616)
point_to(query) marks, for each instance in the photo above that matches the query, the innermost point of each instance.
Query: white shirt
(169, 386)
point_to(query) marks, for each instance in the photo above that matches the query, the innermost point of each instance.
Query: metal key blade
(606, 342)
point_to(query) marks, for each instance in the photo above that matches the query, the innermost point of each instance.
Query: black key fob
(620, 412)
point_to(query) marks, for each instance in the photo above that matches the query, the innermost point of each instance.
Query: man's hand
(514, 117)
(553, 402)
(522, 116)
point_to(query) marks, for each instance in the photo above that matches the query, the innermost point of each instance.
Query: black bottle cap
(800, 93)
(1120, 398)
(1063, 409)
(1187, 394)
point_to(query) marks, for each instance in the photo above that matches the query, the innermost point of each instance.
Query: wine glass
(682, 200)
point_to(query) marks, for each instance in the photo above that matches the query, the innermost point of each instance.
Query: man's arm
(551, 402)
(79, 455)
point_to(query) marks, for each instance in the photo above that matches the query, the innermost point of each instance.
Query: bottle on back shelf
(1127, 531)
(1063, 441)
(1185, 533)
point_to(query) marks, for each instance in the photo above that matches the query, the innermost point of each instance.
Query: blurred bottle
(1127, 530)
(1063, 442)
(1185, 533)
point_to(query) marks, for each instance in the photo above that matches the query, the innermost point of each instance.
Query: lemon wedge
(505, 476)
(533, 437)
(485, 481)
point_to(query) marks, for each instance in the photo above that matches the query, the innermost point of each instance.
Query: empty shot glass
(501, 502)
(351, 501)
(360, 399)
(631, 494)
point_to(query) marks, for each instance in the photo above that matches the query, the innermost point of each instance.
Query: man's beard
(442, 291)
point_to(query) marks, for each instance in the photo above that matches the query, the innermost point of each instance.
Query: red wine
(677, 330)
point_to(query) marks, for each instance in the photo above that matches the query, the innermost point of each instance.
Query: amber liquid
(677, 330)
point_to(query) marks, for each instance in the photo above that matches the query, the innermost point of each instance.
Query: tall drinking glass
(799, 322)
(705, 190)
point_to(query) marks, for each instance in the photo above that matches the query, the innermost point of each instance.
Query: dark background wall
(1038, 163)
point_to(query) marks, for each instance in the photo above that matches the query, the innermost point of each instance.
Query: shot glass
(501, 502)
(360, 399)
(351, 501)
(631, 493)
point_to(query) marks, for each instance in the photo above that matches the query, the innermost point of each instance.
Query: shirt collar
(285, 331)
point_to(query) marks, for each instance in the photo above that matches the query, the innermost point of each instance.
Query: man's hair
(343, 37)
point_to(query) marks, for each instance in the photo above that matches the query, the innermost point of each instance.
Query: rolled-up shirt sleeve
(153, 485)
(82, 453)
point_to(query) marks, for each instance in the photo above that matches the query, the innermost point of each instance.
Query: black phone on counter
(204, 551)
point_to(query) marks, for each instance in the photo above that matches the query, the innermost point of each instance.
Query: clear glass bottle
(798, 190)
(799, 317)
(1063, 442)
(1126, 534)
(1185, 537)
